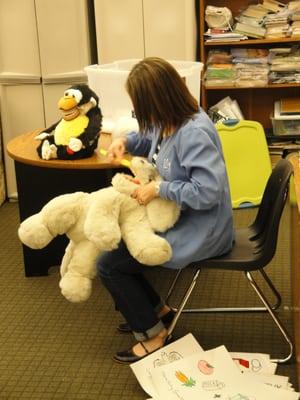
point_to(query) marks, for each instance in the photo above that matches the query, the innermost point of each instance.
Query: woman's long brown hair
(159, 95)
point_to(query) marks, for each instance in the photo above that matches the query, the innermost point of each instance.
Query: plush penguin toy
(76, 134)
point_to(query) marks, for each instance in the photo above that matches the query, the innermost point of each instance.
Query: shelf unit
(256, 102)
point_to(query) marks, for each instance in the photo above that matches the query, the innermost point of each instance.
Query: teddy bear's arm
(124, 183)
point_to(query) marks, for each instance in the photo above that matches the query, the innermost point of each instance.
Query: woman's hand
(117, 149)
(145, 193)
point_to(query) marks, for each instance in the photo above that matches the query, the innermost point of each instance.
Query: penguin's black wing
(90, 135)
(51, 127)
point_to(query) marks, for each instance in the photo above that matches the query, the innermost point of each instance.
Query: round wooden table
(39, 181)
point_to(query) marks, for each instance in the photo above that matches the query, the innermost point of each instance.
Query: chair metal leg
(183, 301)
(173, 284)
(229, 309)
(273, 289)
(274, 317)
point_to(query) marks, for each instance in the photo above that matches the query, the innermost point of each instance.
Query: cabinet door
(19, 52)
(170, 29)
(119, 30)
(21, 111)
(63, 36)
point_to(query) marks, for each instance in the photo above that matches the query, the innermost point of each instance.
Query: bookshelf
(257, 103)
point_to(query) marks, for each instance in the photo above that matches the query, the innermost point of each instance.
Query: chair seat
(244, 255)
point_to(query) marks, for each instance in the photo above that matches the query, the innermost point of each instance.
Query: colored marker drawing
(189, 382)
(166, 358)
(205, 367)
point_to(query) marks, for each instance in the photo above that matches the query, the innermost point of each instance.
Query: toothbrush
(123, 161)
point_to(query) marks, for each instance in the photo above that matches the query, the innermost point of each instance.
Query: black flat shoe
(124, 327)
(128, 356)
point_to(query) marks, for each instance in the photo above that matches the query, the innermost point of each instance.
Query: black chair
(253, 249)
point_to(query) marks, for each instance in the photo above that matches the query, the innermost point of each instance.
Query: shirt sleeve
(138, 144)
(204, 169)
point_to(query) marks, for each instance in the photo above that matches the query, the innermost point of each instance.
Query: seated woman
(176, 135)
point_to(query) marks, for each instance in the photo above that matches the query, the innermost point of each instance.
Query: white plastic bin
(108, 81)
(286, 126)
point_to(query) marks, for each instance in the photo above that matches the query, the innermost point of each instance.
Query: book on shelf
(255, 11)
(250, 30)
(273, 5)
(283, 115)
(294, 5)
(290, 106)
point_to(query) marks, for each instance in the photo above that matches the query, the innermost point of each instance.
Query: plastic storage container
(286, 125)
(108, 81)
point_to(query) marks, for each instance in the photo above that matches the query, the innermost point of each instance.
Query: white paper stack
(183, 370)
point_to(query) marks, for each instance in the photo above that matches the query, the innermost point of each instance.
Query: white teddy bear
(97, 221)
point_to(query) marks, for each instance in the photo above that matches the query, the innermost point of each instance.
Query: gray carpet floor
(52, 349)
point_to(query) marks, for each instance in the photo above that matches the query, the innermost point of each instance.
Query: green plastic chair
(247, 160)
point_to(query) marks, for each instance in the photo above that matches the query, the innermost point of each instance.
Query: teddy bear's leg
(34, 233)
(66, 258)
(76, 283)
(142, 243)
(162, 214)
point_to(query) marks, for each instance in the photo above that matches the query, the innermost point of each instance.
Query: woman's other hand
(145, 193)
(117, 149)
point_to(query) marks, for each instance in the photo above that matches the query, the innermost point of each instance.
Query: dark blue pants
(134, 297)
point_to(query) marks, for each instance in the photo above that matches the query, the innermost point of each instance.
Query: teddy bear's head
(143, 170)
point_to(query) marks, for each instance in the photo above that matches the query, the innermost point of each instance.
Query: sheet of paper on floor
(254, 362)
(220, 374)
(211, 374)
(179, 349)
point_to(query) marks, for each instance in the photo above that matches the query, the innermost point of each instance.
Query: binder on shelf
(290, 106)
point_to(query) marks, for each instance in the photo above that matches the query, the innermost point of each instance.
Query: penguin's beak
(68, 107)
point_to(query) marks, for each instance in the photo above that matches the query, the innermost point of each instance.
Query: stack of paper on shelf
(249, 55)
(251, 66)
(222, 35)
(183, 370)
(295, 27)
(277, 24)
(285, 65)
(219, 69)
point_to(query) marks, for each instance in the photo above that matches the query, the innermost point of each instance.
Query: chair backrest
(266, 225)
(245, 152)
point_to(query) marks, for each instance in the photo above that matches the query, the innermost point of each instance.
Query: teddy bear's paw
(155, 253)
(34, 234)
(75, 288)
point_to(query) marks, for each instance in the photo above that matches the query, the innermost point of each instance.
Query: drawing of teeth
(205, 367)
